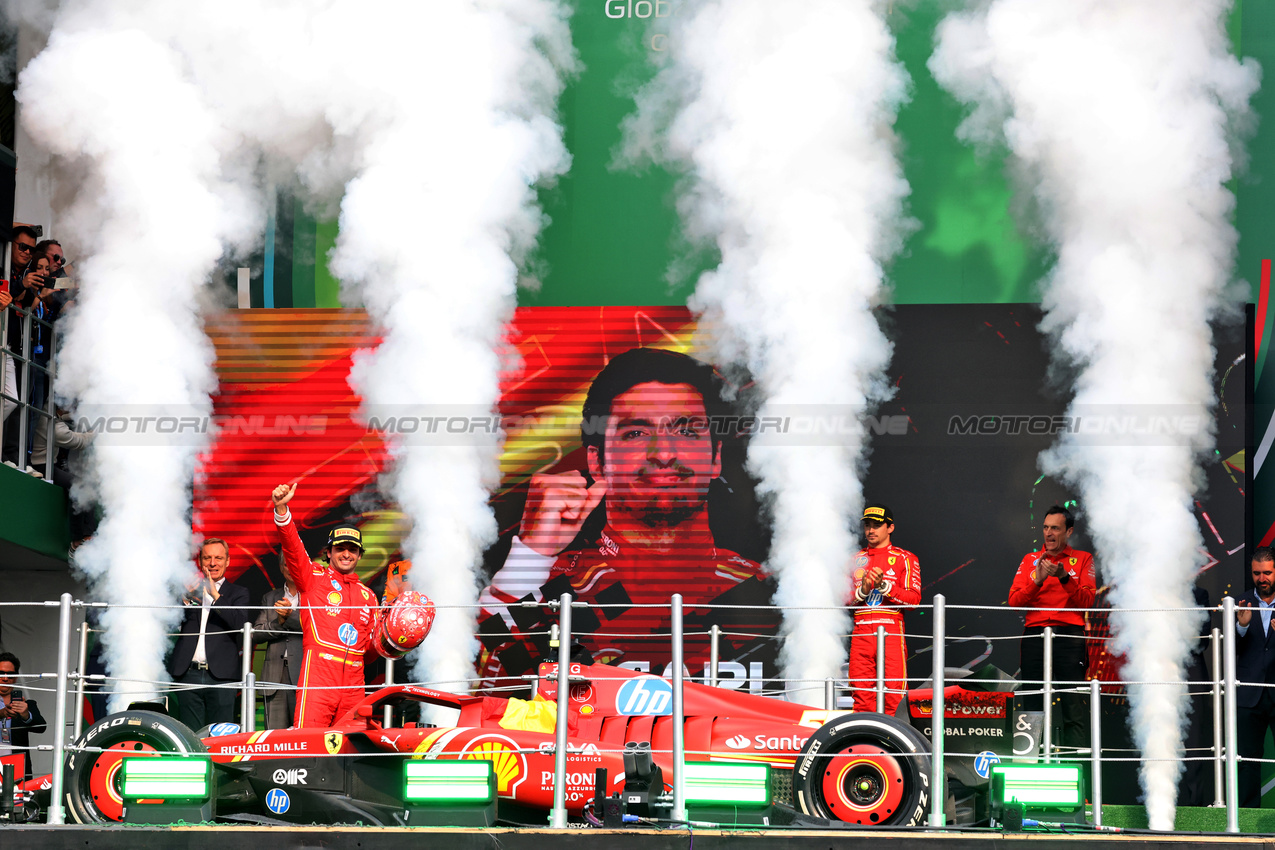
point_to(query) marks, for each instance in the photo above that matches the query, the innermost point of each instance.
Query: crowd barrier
(1222, 692)
(27, 367)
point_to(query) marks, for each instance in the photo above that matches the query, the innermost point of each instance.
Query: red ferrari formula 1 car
(860, 769)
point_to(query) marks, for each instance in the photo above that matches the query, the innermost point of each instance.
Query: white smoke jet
(782, 114)
(1118, 114)
(432, 227)
(152, 212)
(172, 108)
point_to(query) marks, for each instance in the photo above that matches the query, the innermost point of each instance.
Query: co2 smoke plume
(171, 117)
(782, 116)
(153, 213)
(1117, 115)
(433, 226)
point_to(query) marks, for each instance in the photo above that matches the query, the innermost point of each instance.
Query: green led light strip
(449, 781)
(184, 778)
(1045, 785)
(736, 784)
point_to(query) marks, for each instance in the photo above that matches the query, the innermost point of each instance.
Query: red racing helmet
(405, 626)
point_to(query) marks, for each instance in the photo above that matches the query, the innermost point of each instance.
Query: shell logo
(334, 598)
(507, 763)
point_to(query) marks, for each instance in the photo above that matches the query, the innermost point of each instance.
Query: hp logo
(983, 763)
(646, 697)
(277, 801)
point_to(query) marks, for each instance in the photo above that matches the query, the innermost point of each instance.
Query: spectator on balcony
(21, 247)
(68, 443)
(52, 248)
(19, 717)
(29, 277)
(45, 309)
(8, 371)
(55, 298)
(206, 657)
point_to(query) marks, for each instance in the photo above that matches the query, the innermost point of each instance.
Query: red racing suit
(339, 615)
(621, 578)
(900, 586)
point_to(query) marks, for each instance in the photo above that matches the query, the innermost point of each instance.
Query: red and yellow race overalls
(338, 617)
(901, 585)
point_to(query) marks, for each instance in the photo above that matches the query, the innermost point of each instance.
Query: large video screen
(968, 500)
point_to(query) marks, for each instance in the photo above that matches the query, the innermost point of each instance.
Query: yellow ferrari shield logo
(332, 742)
(1072, 561)
(891, 560)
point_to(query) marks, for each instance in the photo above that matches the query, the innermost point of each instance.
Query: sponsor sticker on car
(277, 801)
(645, 697)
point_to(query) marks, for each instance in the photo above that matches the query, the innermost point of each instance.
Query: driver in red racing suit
(339, 616)
(883, 575)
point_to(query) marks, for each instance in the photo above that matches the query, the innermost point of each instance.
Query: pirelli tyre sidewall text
(91, 778)
(864, 769)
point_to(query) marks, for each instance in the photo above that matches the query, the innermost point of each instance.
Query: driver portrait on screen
(651, 453)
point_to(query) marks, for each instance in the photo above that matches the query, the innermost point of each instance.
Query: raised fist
(557, 506)
(281, 496)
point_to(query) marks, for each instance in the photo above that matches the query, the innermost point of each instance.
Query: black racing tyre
(865, 769)
(91, 781)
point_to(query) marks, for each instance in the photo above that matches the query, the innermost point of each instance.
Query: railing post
(59, 712)
(938, 787)
(1219, 786)
(248, 698)
(1232, 734)
(78, 724)
(679, 716)
(1047, 695)
(829, 695)
(714, 654)
(880, 668)
(50, 376)
(1095, 748)
(24, 391)
(558, 815)
(388, 719)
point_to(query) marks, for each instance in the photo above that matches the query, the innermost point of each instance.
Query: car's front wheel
(92, 780)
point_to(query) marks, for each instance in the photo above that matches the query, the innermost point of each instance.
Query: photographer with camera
(19, 717)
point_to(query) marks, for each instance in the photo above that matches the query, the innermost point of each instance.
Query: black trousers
(1251, 728)
(204, 705)
(1071, 663)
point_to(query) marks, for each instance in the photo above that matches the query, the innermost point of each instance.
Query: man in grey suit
(279, 627)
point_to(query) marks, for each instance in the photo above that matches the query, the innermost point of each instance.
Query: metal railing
(1222, 693)
(26, 366)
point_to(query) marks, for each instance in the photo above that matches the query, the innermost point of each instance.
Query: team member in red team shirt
(1053, 578)
(884, 575)
(338, 617)
(651, 453)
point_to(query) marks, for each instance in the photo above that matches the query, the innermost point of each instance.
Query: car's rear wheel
(864, 769)
(91, 778)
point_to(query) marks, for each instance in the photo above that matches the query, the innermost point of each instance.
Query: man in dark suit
(1255, 663)
(279, 627)
(206, 658)
(19, 718)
